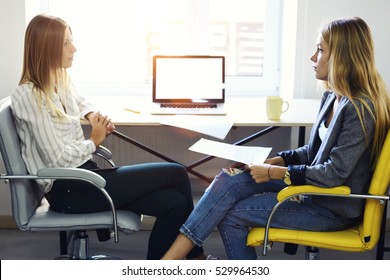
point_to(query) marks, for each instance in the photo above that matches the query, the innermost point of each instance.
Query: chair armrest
(293, 191)
(77, 174)
(72, 173)
(311, 190)
(105, 154)
(85, 175)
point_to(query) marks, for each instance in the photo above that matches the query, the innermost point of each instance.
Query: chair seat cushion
(349, 239)
(45, 219)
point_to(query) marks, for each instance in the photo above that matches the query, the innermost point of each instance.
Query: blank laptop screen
(188, 79)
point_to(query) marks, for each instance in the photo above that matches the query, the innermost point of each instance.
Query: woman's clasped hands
(101, 126)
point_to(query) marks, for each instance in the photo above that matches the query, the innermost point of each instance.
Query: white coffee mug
(275, 106)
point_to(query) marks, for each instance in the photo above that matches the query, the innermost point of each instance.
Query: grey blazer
(343, 158)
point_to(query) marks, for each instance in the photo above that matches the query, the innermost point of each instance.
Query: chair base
(312, 253)
(79, 248)
(104, 257)
(96, 257)
(381, 248)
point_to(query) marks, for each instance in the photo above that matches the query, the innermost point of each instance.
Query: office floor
(17, 245)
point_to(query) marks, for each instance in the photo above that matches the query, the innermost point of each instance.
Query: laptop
(190, 84)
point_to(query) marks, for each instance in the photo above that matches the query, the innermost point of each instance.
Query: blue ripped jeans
(236, 203)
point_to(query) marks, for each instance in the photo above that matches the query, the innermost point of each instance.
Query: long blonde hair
(42, 61)
(352, 73)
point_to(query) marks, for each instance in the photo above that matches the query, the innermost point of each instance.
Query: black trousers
(161, 190)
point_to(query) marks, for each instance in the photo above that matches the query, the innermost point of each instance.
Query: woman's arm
(57, 142)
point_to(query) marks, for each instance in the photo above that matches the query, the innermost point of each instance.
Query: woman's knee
(178, 169)
(171, 202)
(169, 166)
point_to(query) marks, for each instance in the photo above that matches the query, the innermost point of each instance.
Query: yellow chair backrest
(370, 227)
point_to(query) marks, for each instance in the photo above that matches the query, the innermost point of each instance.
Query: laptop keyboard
(181, 105)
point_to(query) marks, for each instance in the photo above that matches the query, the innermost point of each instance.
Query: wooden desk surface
(243, 111)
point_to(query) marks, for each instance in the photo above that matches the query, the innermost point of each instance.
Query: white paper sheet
(245, 154)
(215, 126)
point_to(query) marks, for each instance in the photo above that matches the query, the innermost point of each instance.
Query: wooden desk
(247, 111)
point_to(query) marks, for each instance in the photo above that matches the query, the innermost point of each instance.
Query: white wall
(311, 15)
(12, 26)
(298, 80)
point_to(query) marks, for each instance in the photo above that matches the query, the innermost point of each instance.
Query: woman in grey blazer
(345, 141)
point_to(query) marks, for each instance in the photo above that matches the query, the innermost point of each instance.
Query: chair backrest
(25, 194)
(373, 211)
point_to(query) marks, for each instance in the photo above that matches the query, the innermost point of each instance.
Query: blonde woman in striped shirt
(47, 110)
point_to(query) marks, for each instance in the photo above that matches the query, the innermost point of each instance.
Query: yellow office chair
(360, 238)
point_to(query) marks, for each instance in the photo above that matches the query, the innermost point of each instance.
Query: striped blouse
(47, 140)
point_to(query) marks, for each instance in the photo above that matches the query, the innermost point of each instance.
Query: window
(116, 40)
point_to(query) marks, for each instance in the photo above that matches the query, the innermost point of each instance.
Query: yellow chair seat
(345, 240)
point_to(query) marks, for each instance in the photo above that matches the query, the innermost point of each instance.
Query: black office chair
(30, 209)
